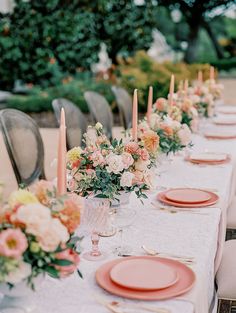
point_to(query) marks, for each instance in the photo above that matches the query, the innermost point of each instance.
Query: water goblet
(122, 219)
(94, 219)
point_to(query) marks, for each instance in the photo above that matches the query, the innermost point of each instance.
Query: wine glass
(94, 219)
(122, 218)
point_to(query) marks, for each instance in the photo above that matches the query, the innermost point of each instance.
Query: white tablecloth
(181, 233)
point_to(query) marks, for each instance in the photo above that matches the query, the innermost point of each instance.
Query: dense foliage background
(42, 42)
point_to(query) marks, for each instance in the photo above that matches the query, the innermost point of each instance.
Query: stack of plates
(209, 158)
(229, 120)
(222, 134)
(145, 278)
(188, 197)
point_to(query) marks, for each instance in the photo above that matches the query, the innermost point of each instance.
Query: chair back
(24, 145)
(100, 110)
(76, 123)
(124, 102)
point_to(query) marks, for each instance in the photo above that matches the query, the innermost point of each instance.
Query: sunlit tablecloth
(182, 233)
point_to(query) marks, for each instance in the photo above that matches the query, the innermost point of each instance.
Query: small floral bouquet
(36, 235)
(214, 88)
(104, 169)
(202, 100)
(182, 110)
(173, 136)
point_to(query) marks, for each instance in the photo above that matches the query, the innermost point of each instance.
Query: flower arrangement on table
(214, 88)
(182, 110)
(202, 100)
(103, 169)
(173, 136)
(36, 235)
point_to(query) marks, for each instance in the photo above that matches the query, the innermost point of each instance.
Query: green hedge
(73, 89)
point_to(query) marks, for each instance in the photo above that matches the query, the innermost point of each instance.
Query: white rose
(115, 163)
(19, 274)
(35, 216)
(184, 135)
(141, 165)
(194, 112)
(155, 120)
(126, 179)
(56, 234)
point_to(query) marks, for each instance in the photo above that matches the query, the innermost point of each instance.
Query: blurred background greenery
(48, 47)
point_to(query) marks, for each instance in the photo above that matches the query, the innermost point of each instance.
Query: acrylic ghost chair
(124, 102)
(76, 123)
(24, 145)
(100, 110)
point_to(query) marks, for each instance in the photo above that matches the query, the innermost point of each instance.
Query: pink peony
(69, 255)
(127, 159)
(97, 158)
(161, 104)
(143, 153)
(131, 147)
(13, 243)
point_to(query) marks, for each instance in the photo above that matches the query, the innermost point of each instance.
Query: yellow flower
(74, 154)
(22, 196)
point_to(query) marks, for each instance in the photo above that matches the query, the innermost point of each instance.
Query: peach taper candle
(61, 158)
(135, 116)
(150, 103)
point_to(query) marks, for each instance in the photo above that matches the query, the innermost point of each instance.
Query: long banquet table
(198, 235)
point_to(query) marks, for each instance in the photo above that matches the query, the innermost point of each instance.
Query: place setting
(208, 158)
(145, 277)
(186, 198)
(224, 120)
(220, 134)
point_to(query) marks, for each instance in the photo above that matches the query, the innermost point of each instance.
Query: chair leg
(229, 234)
(224, 306)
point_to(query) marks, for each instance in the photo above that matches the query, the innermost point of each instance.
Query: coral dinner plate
(187, 195)
(224, 121)
(143, 274)
(184, 283)
(209, 157)
(213, 199)
(220, 135)
(207, 161)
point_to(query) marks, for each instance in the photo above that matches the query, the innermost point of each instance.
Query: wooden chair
(24, 145)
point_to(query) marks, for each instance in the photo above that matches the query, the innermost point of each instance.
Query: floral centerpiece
(173, 136)
(202, 100)
(182, 110)
(36, 235)
(214, 88)
(104, 169)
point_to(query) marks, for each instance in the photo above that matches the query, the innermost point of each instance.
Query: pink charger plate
(184, 283)
(214, 198)
(221, 137)
(187, 195)
(207, 162)
(140, 274)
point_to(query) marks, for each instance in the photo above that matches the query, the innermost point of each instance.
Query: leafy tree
(41, 41)
(197, 14)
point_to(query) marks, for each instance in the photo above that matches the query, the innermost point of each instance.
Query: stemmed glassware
(94, 219)
(121, 219)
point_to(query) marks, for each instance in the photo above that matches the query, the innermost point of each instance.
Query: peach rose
(131, 147)
(150, 140)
